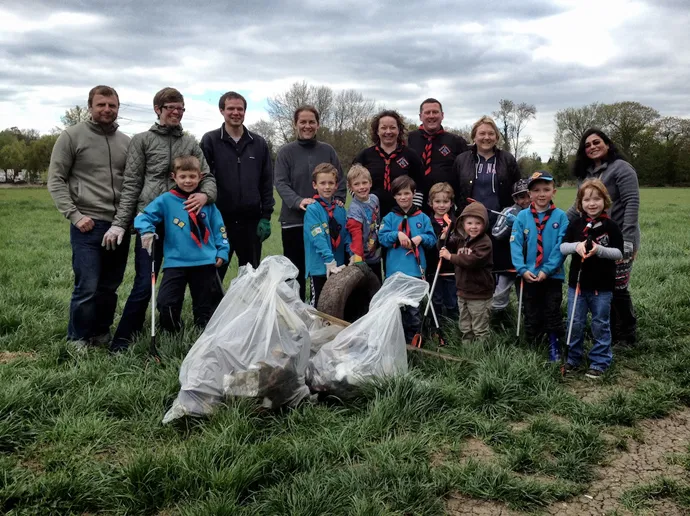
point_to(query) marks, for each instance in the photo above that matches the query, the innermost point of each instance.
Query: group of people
(194, 206)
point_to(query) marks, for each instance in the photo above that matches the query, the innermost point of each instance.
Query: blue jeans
(599, 303)
(97, 276)
(445, 297)
(134, 313)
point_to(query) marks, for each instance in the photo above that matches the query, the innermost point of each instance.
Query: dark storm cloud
(394, 52)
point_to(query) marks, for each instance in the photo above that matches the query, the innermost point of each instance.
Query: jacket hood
(165, 130)
(475, 209)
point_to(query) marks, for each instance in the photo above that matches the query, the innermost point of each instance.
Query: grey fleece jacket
(86, 171)
(620, 180)
(295, 164)
(147, 172)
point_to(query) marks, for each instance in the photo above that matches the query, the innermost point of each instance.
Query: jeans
(134, 313)
(97, 276)
(599, 303)
(445, 296)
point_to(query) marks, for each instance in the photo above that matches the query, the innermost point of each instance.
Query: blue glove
(510, 219)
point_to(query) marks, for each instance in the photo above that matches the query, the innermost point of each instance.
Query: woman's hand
(306, 202)
(195, 202)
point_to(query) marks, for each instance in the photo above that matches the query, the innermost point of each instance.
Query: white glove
(147, 242)
(628, 250)
(332, 268)
(113, 237)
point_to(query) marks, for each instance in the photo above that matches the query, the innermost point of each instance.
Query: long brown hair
(398, 120)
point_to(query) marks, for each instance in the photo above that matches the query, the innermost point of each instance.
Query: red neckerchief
(540, 227)
(404, 226)
(387, 160)
(426, 155)
(198, 229)
(333, 227)
(594, 222)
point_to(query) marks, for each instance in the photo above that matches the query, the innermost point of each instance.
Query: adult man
(437, 148)
(85, 179)
(149, 163)
(240, 161)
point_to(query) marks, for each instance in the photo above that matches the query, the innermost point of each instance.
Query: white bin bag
(255, 345)
(372, 346)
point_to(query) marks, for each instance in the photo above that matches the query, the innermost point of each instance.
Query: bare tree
(571, 124)
(75, 115)
(268, 131)
(281, 108)
(512, 119)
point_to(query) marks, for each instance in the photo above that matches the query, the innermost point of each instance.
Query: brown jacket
(473, 277)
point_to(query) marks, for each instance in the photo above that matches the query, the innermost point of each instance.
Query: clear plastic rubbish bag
(372, 346)
(256, 344)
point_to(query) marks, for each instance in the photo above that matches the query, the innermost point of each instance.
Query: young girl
(595, 242)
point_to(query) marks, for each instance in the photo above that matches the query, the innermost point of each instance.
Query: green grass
(82, 434)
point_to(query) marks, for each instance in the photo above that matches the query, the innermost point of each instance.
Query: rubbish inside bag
(257, 344)
(373, 346)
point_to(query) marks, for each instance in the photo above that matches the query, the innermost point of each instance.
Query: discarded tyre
(346, 295)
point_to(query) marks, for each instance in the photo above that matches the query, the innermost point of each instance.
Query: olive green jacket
(149, 163)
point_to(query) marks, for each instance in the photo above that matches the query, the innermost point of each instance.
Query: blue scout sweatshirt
(178, 247)
(399, 259)
(318, 250)
(523, 243)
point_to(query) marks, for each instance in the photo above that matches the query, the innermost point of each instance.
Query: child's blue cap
(540, 175)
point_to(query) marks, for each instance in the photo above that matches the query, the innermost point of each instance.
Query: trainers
(569, 368)
(101, 340)
(80, 346)
(594, 374)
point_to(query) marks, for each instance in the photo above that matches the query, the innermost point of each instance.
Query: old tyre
(346, 295)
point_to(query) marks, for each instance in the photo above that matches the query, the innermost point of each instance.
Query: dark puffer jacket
(147, 171)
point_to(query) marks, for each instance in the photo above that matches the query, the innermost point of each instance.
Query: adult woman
(294, 166)
(487, 174)
(598, 157)
(389, 157)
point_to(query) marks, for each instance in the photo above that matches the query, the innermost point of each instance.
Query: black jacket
(243, 172)
(507, 173)
(444, 149)
(406, 162)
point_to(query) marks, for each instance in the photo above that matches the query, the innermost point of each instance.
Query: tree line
(658, 147)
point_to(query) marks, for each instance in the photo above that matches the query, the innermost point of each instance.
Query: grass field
(82, 434)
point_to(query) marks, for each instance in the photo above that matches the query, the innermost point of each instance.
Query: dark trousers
(623, 319)
(97, 276)
(411, 321)
(293, 249)
(316, 284)
(134, 313)
(243, 241)
(541, 303)
(445, 296)
(376, 269)
(205, 287)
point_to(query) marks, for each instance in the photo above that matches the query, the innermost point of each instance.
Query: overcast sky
(552, 53)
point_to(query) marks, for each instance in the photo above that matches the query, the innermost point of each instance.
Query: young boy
(363, 220)
(595, 242)
(473, 263)
(194, 245)
(403, 231)
(501, 234)
(535, 244)
(444, 297)
(325, 235)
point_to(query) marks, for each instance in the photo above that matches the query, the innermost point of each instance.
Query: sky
(550, 53)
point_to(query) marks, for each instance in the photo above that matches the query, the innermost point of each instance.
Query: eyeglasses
(173, 108)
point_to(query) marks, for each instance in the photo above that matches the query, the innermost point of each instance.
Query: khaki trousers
(474, 317)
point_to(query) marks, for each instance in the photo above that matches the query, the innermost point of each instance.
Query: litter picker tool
(470, 200)
(447, 220)
(588, 246)
(153, 350)
(417, 339)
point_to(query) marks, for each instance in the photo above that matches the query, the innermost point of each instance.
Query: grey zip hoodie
(295, 164)
(86, 171)
(620, 180)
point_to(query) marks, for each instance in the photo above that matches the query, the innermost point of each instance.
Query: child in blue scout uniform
(535, 244)
(595, 242)
(325, 235)
(445, 295)
(194, 246)
(403, 231)
(363, 219)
